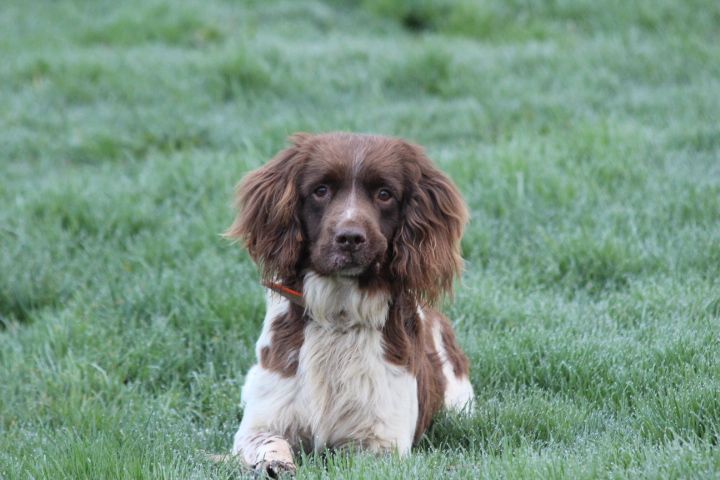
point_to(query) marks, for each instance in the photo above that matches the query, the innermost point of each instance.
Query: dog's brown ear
(426, 247)
(268, 220)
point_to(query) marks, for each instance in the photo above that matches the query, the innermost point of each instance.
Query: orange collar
(293, 295)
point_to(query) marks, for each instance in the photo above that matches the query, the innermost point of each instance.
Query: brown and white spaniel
(357, 235)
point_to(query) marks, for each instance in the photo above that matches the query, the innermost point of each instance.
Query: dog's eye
(384, 195)
(321, 191)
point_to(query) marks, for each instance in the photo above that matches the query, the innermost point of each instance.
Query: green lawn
(585, 136)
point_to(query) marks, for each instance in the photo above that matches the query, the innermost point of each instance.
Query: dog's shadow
(450, 431)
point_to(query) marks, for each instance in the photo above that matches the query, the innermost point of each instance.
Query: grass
(584, 136)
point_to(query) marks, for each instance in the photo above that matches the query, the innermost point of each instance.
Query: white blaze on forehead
(351, 204)
(351, 201)
(358, 160)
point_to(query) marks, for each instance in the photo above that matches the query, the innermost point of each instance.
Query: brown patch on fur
(268, 219)
(408, 342)
(287, 336)
(457, 358)
(426, 249)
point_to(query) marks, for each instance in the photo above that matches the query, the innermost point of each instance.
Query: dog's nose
(350, 238)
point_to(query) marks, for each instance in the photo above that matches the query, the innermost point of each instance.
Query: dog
(357, 237)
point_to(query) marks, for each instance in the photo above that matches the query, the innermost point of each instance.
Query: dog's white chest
(350, 394)
(344, 391)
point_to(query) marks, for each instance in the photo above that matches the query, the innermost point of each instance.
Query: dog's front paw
(275, 468)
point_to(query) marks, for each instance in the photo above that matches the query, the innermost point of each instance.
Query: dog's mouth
(347, 265)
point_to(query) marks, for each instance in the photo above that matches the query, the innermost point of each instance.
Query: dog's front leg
(265, 452)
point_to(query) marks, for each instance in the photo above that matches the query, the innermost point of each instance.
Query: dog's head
(356, 206)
